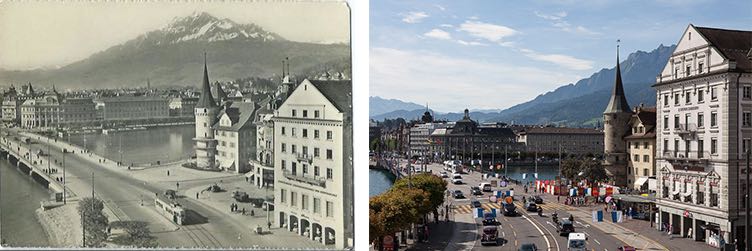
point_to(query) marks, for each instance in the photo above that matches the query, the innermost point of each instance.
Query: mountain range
(576, 104)
(173, 56)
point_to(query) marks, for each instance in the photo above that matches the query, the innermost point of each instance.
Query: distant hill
(578, 104)
(173, 56)
(379, 105)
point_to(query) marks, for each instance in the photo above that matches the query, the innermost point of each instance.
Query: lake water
(380, 181)
(165, 144)
(19, 197)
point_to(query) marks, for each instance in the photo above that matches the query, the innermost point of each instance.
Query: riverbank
(62, 225)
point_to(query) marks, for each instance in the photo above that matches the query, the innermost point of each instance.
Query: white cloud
(554, 16)
(490, 32)
(438, 34)
(446, 25)
(559, 59)
(452, 84)
(414, 17)
(439, 7)
(471, 43)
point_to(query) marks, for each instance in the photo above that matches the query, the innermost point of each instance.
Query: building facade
(420, 133)
(52, 111)
(313, 162)
(704, 125)
(466, 140)
(641, 150)
(183, 106)
(11, 107)
(134, 108)
(262, 166)
(236, 137)
(579, 141)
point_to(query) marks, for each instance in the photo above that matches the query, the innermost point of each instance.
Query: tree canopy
(432, 184)
(395, 210)
(94, 221)
(586, 168)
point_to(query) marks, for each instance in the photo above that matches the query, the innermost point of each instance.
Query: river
(164, 144)
(19, 197)
(380, 180)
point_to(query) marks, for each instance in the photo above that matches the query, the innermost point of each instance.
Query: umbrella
(608, 199)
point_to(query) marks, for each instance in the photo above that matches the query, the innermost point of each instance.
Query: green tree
(94, 221)
(137, 234)
(431, 184)
(395, 210)
(586, 168)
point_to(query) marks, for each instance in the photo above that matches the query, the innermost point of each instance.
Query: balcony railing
(316, 181)
(686, 131)
(696, 161)
(687, 155)
(304, 157)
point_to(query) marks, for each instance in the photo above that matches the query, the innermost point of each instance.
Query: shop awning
(640, 181)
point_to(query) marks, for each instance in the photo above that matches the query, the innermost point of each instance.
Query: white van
(577, 242)
(485, 187)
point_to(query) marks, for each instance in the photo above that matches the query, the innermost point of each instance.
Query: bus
(170, 209)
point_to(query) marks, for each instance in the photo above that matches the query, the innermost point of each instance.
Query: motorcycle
(540, 211)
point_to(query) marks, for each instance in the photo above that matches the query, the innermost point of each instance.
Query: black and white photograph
(188, 124)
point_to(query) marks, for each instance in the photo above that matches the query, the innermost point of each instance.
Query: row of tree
(409, 201)
(97, 227)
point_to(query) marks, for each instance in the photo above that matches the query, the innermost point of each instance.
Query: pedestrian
(558, 198)
(232, 207)
(269, 225)
(689, 233)
(243, 211)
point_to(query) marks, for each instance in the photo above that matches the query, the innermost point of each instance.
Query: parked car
(489, 219)
(241, 196)
(537, 199)
(475, 191)
(475, 203)
(528, 247)
(458, 194)
(490, 235)
(486, 187)
(565, 227)
(444, 174)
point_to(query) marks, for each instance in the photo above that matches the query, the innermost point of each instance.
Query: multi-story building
(641, 150)
(420, 133)
(579, 141)
(206, 116)
(133, 108)
(615, 127)
(313, 162)
(263, 165)
(52, 110)
(236, 136)
(11, 107)
(374, 131)
(467, 140)
(704, 98)
(183, 106)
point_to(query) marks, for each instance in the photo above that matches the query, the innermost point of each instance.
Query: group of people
(234, 209)
(576, 201)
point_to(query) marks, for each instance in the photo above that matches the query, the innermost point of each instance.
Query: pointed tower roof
(221, 94)
(618, 101)
(206, 100)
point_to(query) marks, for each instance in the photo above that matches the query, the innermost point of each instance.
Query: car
(490, 235)
(475, 203)
(577, 242)
(172, 194)
(444, 174)
(565, 227)
(241, 196)
(537, 199)
(528, 247)
(489, 220)
(475, 191)
(458, 194)
(486, 187)
(457, 179)
(530, 206)
(627, 248)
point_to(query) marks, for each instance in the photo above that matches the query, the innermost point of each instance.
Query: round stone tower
(206, 115)
(615, 126)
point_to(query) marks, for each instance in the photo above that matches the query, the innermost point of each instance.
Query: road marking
(515, 243)
(504, 234)
(515, 233)
(596, 241)
(542, 234)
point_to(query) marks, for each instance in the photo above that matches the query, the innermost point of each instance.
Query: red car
(627, 248)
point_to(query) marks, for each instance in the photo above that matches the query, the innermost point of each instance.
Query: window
(294, 148)
(645, 145)
(745, 145)
(676, 146)
(329, 154)
(316, 114)
(686, 73)
(305, 169)
(636, 158)
(232, 144)
(676, 72)
(283, 165)
(676, 121)
(676, 99)
(328, 135)
(665, 122)
(293, 199)
(700, 96)
(283, 130)
(646, 159)
(315, 152)
(294, 168)
(665, 145)
(316, 134)
(305, 150)
(304, 202)
(747, 119)
(316, 171)
(305, 113)
(329, 174)
(700, 120)
(293, 131)
(329, 209)
(316, 205)
(305, 133)
(713, 146)
(283, 195)
(284, 148)
(688, 98)
(645, 172)
(700, 148)
(747, 92)
(665, 100)
(713, 119)
(294, 113)
(699, 68)
(224, 143)
(713, 94)
(637, 145)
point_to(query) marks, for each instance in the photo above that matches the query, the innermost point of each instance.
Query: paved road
(526, 227)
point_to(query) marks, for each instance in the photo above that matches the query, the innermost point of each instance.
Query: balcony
(688, 160)
(316, 181)
(304, 157)
(686, 131)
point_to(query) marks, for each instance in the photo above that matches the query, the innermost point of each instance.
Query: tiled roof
(733, 44)
(339, 92)
(240, 113)
(560, 130)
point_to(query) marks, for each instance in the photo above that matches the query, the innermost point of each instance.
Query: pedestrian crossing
(547, 207)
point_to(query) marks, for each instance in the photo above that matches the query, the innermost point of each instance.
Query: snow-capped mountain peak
(201, 26)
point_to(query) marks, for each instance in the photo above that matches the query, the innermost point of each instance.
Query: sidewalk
(675, 243)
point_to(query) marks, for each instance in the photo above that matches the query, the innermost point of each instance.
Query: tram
(169, 208)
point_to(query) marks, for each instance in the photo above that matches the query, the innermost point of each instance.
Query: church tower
(206, 115)
(615, 126)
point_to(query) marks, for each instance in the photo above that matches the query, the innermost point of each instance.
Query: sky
(51, 34)
(491, 54)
